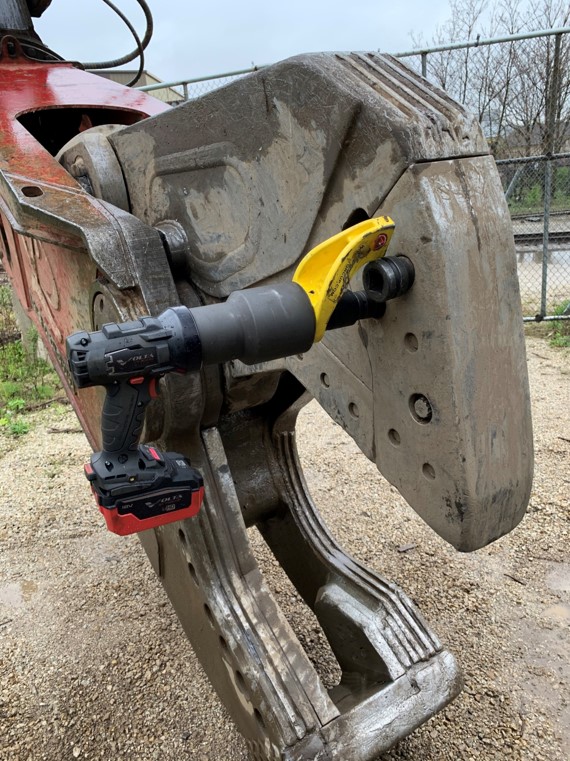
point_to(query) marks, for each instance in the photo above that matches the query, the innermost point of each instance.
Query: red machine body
(43, 105)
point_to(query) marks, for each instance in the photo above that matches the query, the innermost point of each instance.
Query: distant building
(527, 142)
(124, 76)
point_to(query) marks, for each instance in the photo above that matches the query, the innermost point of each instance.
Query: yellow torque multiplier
(325, 272)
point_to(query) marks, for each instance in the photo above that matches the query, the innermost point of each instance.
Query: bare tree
(512, 87)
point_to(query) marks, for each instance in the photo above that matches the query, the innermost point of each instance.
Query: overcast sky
(194, 38)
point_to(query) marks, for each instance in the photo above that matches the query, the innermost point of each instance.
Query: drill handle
(123, 413)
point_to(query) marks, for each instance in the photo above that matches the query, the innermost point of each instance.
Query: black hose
(37, 7)
(141, 44)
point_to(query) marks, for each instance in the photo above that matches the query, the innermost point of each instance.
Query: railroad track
(535, 238)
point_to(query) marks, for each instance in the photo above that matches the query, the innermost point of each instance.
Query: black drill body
(131, 479)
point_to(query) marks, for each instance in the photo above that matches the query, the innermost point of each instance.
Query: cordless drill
(138, 487)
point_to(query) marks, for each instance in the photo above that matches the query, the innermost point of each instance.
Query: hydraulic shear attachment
(184, 216)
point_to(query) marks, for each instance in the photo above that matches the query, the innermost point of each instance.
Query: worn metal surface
(453, 340)
(395, 673)
(90, 159)
(293, 150)
(15, 15)
(291, 154)
(347, 132)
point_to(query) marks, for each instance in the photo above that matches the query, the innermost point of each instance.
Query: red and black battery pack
(156, 489)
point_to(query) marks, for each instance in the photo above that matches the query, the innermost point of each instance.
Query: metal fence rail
(537, 188)
(194, 88)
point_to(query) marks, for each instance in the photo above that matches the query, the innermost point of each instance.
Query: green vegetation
(528, 194)
(560, 329)
(26, 380)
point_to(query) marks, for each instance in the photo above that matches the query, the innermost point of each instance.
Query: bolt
(422, 408)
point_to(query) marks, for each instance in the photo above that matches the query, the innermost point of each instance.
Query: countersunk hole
(208, 613)
(411, 342)
(355, 217)
(31, 191)
(182, 536)
(223, 644)
(325, 380)
(241, 682)
(193, 573)
(394, 437)
(353, 409)
(259, 719)
(421, 408)
(428, 471)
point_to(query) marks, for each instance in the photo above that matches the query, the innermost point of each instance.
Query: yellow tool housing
(325, 272)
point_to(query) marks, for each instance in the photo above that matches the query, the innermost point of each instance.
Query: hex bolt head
(421, 408)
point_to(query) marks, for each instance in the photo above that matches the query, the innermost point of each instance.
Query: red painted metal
(47, 264)
(27, 86)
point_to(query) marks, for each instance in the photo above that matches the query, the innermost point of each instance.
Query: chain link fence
(190, 89)
(194, 90)
(537, 190)
(519, 88)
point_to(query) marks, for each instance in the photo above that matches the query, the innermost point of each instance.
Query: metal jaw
(395, 672)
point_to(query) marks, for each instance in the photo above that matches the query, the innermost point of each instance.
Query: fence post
(185, 90)
(551, 112)
(424, 65)
(545, 234)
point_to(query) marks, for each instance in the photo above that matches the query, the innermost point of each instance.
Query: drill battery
(150, 489)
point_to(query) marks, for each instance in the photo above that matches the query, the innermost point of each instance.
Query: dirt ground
(93, 663)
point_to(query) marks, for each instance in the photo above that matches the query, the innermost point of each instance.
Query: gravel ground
(93, 663)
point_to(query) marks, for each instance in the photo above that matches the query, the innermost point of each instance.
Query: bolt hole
(355, 217)
(193, 573)
(31, 191)
(428, 471)
(353, 409)
(209, 614)
(240, 681)
(224, 645)
(394, 437)
(101, 305)
(411, 342)
(182, 536)
(259, 719)
(325, 380)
